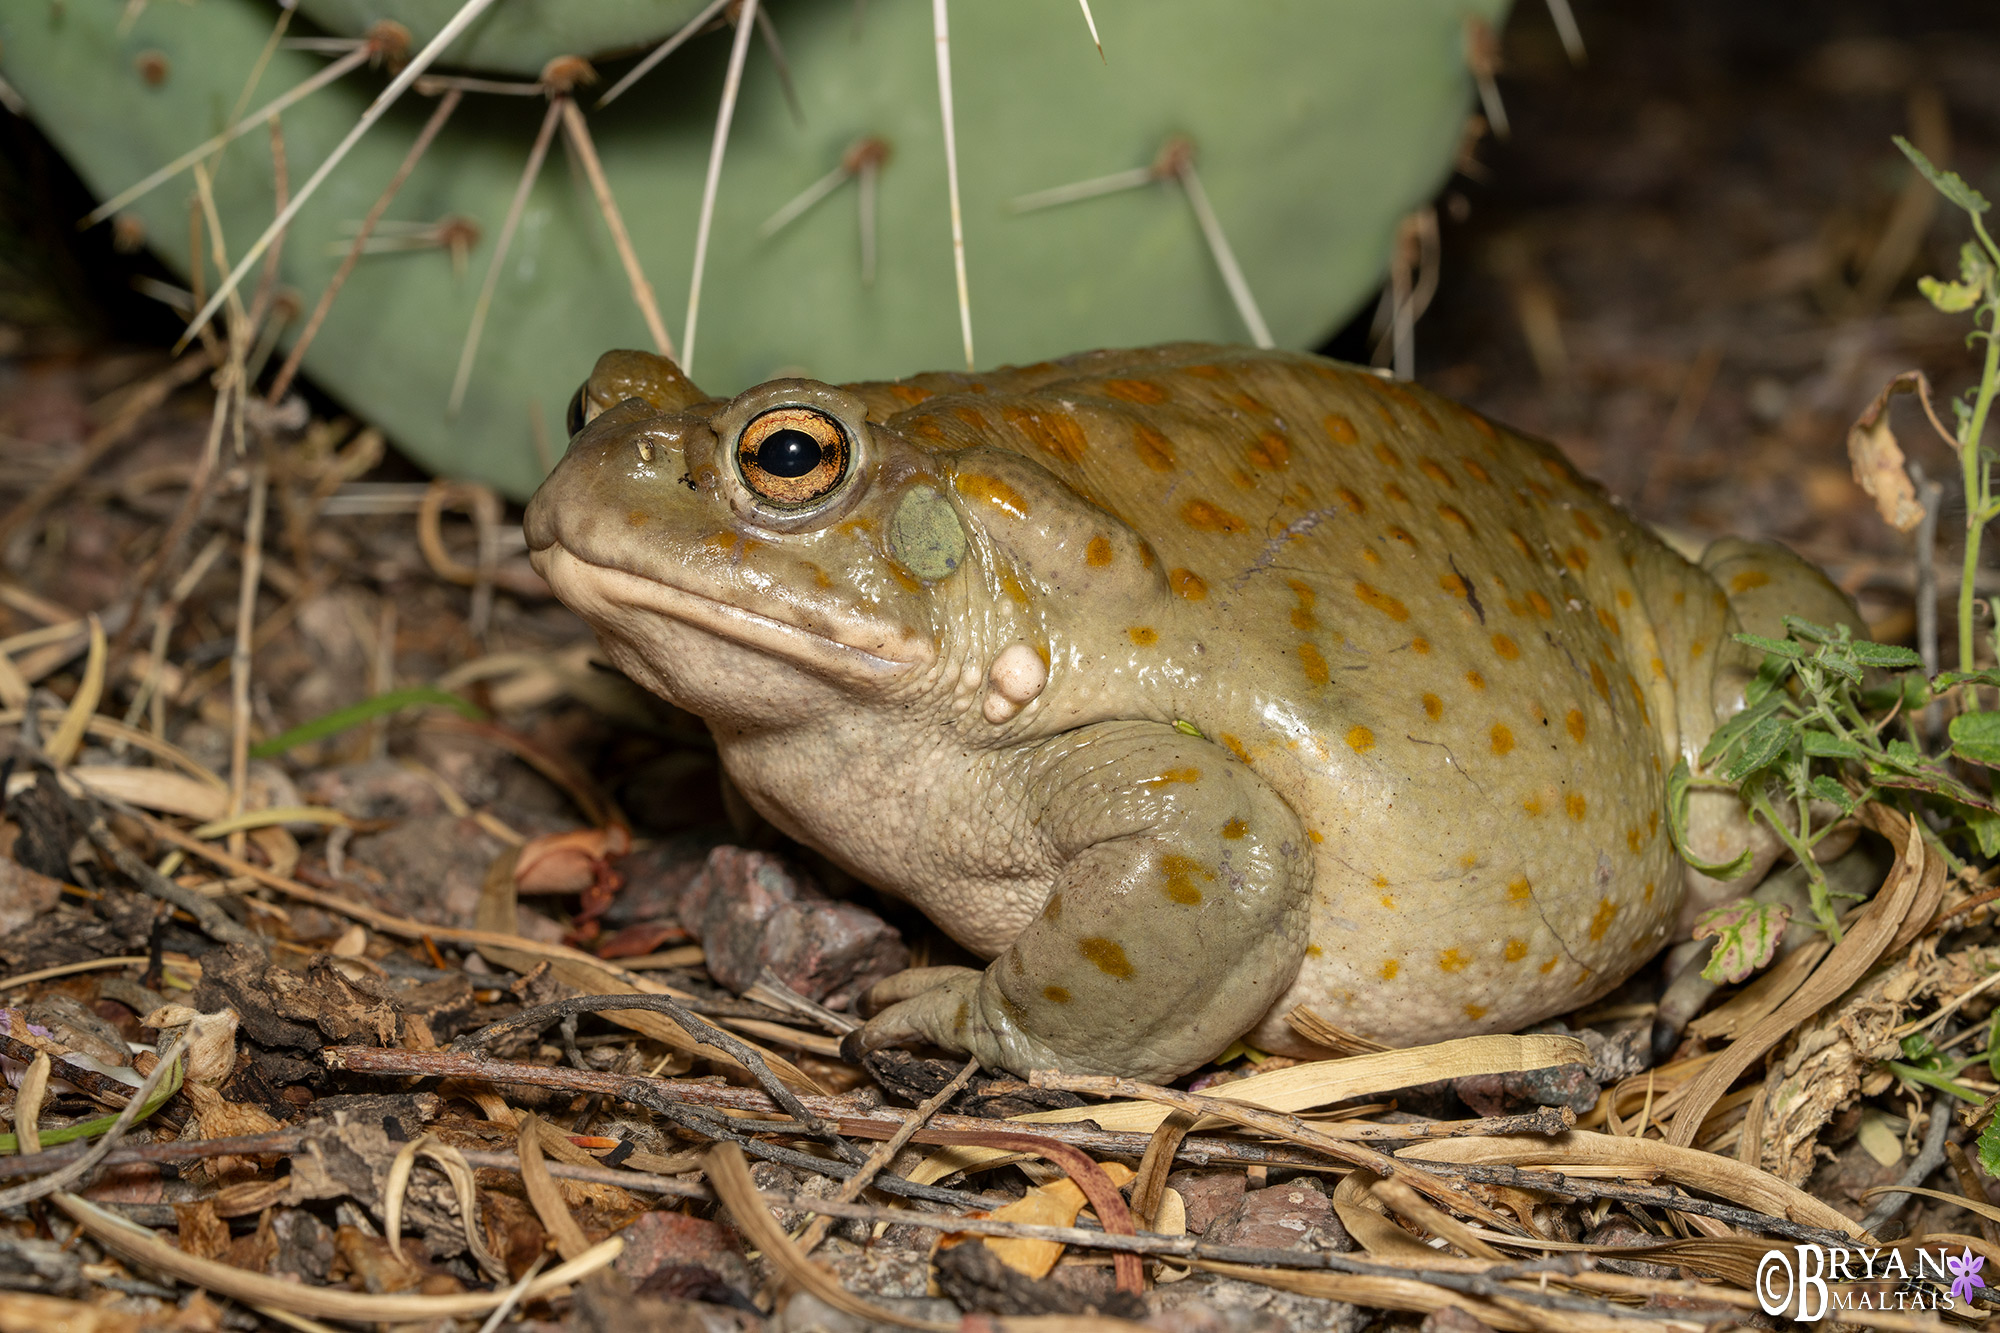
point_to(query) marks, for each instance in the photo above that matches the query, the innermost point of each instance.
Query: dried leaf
(1879, 466)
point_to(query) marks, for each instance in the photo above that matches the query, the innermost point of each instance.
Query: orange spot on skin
(1205, 372)
(1502, 738)
(1625, 598)
(1420, 646)
(1698, 647)
(1107, 954)
(1381, 601)
(1135, 391)
(1388, 456)
(1576, 806)
(1394, 492)
(971, 416)
(1012, 587)
(1649, 891)
(1475, 471)
(1235, 829)
(1389, 901)
(1355, 504)
(1270, 452)
(1302, 616)
(1516, 950)
(1451, 960)
(1533, 805)
(1188, 584)
(1480, 424)
(1541, 605)
(1339, 429)
(1475, 681)
(1657, 667)
(1052, 909)
(1451, 515)
(1433, 469)
(1578, 727)
(909, 583)
(927, 428)
(909, 393)
(1433, 707)
(1055, 433)
(1371, 555)
(1634, 840)
(1606, 914)
(1315, 837)
(1234, 746)
(1314, 951)
(1055, 995)
(1577, 559)
(1475, 1012)
(1401, 535)
(993, 491)
(1168, 777)
(1599, 683)
(1390, 968)
(1747, 579)
(1454, 585)
(636, 519)
(1360, 740)
(1315, 665)
(1178, 884)
(1144, 635)
(1548, 967)
(1609, 621)
(856, 525)
(1468, 861)
(1506, 648)
(1155, 450)
(1520, 543)
(1207, 517)
(1589, 526)
(1098, 554)
(1519, 890)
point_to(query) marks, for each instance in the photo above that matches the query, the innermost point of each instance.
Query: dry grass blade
(283, 379)
(1088, 1176)
(1973, 1206)
(446, 35)
(1320, 1083)
(1917, 876)
(1415, 1208)
(68, 739)
(1336, 1039)
(28, 1103)
(729, 1174)
(545, 1194)
(941, 35)
(1415, 1294)
(1150, 1186)
(137, 1245)
(642, 288)
(732, 85)
(209, 147)
(501, 244)
(1689, 1167)
(464, 1187)
(240, 656)
(1288, 1127)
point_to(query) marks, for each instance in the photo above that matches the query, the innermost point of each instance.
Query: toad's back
(1463, 667)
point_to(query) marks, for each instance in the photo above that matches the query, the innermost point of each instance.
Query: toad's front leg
(1176, 917)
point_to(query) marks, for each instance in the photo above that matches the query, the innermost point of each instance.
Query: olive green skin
(1190, 684)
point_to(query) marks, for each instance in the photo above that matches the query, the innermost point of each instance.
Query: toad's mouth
(616, 600)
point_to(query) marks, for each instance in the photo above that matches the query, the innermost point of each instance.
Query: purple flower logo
(1965, 1274)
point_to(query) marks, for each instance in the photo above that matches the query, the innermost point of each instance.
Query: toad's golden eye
(793, 456)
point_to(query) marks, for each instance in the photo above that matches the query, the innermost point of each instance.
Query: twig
(241, 655)
(885, 1152)
(1929, 1159)
(85, 1164)
(701, 1030)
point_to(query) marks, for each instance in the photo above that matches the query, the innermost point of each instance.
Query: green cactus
(1317, 124)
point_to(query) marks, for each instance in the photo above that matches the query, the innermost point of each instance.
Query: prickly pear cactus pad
(1315, 125)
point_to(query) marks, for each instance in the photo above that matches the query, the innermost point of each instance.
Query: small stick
(283, 380)
(1225, 258)
(732, 84)
(885, 1152)
(519, 204)
(458, 23)
(642, 290)
(662, 51)
(240, 657)
(941, 30)
(208, 147)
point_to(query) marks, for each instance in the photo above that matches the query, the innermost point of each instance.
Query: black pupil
(789, 453)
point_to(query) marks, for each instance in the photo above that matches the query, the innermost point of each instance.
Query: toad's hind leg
(1177, 916)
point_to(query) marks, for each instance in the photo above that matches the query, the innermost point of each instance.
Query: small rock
(831, 951)
(1297, 1215)
(750, 911)
(1520, 1090)
(1208, 1195)
(1249, 1307)
(672, 1255)
(1451, 1319)
(976, 1278)
(433, 867)
(24, 894)
(1619, 1053)
(305, 1246)
(657, 878)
